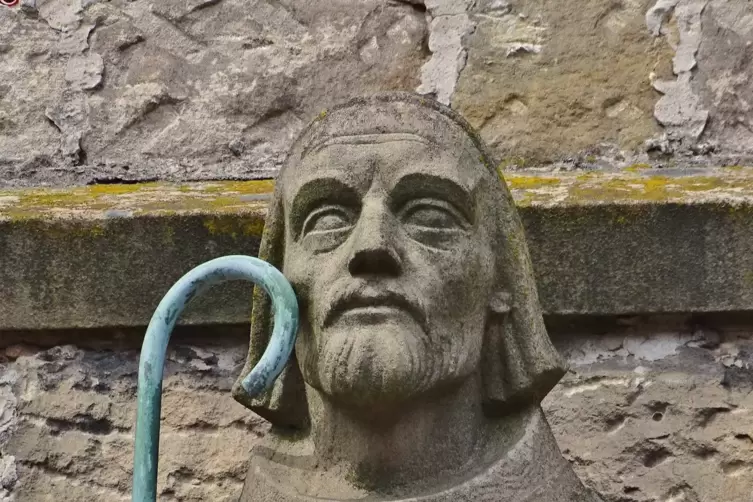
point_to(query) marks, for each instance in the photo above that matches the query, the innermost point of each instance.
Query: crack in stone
(200, 7)
(417, 5)
(178, 28)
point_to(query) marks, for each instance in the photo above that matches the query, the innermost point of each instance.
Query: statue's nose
(372, 249)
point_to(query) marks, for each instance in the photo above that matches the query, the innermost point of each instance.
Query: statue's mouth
(374, 305)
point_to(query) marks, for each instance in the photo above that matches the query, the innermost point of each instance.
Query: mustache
(363, 295)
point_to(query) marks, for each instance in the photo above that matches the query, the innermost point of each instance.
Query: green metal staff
(154, 349)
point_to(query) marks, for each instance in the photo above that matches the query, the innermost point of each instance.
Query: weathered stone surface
(550, 80)
(134, 90)
(119, 246)
(648, 412)
(72, 424)
(218, 89)
(200, 89)
(84, 73)
(612, 244)
(723, 63)
(658, 414)
(449, 27)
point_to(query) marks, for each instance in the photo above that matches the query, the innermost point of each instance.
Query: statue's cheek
(461, 281)
(325, 241)
(312, 252)
(440, 239)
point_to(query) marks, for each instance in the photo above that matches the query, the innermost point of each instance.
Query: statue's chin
(373, 366)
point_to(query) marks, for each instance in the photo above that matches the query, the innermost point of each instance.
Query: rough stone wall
(663, 416)
(94, 90)
(646, 415)
(67, 416)
(186, 89)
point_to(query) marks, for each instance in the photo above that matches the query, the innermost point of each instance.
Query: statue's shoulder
(534, 470)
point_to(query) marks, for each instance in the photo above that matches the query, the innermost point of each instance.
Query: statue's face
(393, 264)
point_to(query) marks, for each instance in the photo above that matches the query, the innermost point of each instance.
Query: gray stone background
(195, 89)
(649, 412)
(204, 89)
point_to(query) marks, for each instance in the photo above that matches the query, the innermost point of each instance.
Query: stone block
(642, 242)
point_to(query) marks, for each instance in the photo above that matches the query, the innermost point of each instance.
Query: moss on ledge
(112, 201)
(616, 243)
(215, 199)
(635, 186)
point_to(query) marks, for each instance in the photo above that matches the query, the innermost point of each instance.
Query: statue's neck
(422, 439)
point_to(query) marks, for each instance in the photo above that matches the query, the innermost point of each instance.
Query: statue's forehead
(356, 159)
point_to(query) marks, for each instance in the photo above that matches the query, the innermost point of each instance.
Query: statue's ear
(519, 365)
(285, 403)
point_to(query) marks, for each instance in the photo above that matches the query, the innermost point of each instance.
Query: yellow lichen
(636, 168)
(512, 161)
(748, 277)
(700, 183)
(233, 227)
(137, 199)
(529, 182)
(117, 189)
(619, 189)
(586, 176)
(249, 198)
(240, 187)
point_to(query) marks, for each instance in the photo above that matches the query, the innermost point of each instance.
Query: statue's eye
(432, 214)
(327, 219)
(434, 223)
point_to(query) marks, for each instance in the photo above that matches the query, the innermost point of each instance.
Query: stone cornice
(632, 242)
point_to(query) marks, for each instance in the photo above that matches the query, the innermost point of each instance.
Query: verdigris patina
(422, 355)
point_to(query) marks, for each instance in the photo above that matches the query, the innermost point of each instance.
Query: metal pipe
(154, 349)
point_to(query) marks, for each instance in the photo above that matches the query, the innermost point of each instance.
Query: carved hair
(520, 365)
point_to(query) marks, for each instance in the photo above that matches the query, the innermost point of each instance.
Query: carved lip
(374, 302)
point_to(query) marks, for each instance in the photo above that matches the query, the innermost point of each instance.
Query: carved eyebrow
(417, 185)
(316, 192)
(363, 139)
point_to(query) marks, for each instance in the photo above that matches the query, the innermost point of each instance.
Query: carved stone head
(410, 264)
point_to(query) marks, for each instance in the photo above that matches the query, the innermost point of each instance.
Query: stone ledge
(640, 242)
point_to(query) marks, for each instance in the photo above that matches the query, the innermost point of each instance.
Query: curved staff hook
(152, 361)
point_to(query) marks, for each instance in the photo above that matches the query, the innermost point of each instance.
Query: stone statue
(422, 356)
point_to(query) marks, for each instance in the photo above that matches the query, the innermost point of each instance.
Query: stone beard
(422, 356)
